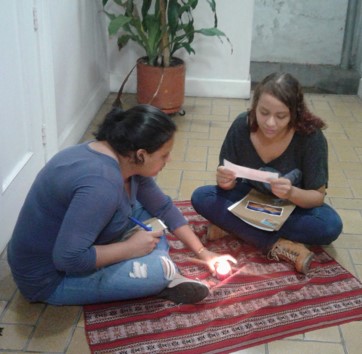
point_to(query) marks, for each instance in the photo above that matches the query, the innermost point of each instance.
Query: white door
(22, 153)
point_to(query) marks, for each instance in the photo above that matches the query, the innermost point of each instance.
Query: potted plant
(160, 27)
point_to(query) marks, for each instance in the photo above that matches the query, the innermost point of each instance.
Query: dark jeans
(318, 226)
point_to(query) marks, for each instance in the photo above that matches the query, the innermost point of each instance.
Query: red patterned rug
(260, 302)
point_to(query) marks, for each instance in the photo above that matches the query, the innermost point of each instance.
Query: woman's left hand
(212, 259)
(281, 187)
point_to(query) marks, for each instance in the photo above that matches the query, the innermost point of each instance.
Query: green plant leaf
(188, 48)
(123, 40)
(193, 3)
(120, 2)
(173, 14)
(146, 5)
(212, 5)
(154, 33)
(118, 23)
(211, 32)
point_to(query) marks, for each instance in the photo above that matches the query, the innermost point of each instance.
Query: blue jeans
(318, 226)
(114, 283)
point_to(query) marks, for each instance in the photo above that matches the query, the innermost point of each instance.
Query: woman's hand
(205, 257)
(281, 187)
(143, 242)
(211, 259)
(225, 178)
(139, 244)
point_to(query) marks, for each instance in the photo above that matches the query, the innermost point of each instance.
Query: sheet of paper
(250, 173)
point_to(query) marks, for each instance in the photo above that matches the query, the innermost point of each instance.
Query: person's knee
(199, 196)
(169, 268)
(141, 270)
(333, 230)
(196, 196)
(326, 232)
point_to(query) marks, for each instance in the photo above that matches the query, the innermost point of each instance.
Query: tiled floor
(38, 328)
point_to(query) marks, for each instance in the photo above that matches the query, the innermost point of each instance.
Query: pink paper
(250, 173)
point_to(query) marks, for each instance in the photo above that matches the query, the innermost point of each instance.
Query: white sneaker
(183, 290)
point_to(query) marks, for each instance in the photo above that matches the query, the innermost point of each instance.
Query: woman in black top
(278, 134)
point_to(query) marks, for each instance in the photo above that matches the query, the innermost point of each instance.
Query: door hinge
(43, 135)
(35, 19)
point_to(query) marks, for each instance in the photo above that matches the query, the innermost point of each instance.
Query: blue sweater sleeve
(154, 200)
(92, 206)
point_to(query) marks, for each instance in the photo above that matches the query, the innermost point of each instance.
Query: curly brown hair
(288, 90)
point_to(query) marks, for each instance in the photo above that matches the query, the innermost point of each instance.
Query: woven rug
(260, 302)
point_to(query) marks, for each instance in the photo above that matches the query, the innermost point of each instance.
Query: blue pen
(139, 223)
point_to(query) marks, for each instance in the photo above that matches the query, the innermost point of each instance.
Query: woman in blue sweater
(69, 245)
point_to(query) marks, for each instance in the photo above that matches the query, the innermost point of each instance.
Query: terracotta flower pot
(161, 87)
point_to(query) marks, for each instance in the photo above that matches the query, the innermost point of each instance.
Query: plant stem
(165, 40)
(118, 102)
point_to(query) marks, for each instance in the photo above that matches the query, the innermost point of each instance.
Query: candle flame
(223, 268)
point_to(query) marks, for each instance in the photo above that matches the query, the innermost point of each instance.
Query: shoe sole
(185, 293)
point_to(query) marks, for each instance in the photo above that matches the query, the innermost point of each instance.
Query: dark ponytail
(140, 127)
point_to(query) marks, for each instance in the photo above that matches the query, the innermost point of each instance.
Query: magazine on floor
(266, 212)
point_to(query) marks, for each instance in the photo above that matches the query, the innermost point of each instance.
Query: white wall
(213, 71)
(21, 148)
(79, 53)
(54, 78)
(295, 31)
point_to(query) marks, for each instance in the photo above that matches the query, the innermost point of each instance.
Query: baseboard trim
(218, 88)
(198, 87)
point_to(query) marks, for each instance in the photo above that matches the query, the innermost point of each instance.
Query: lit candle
(223, 270)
